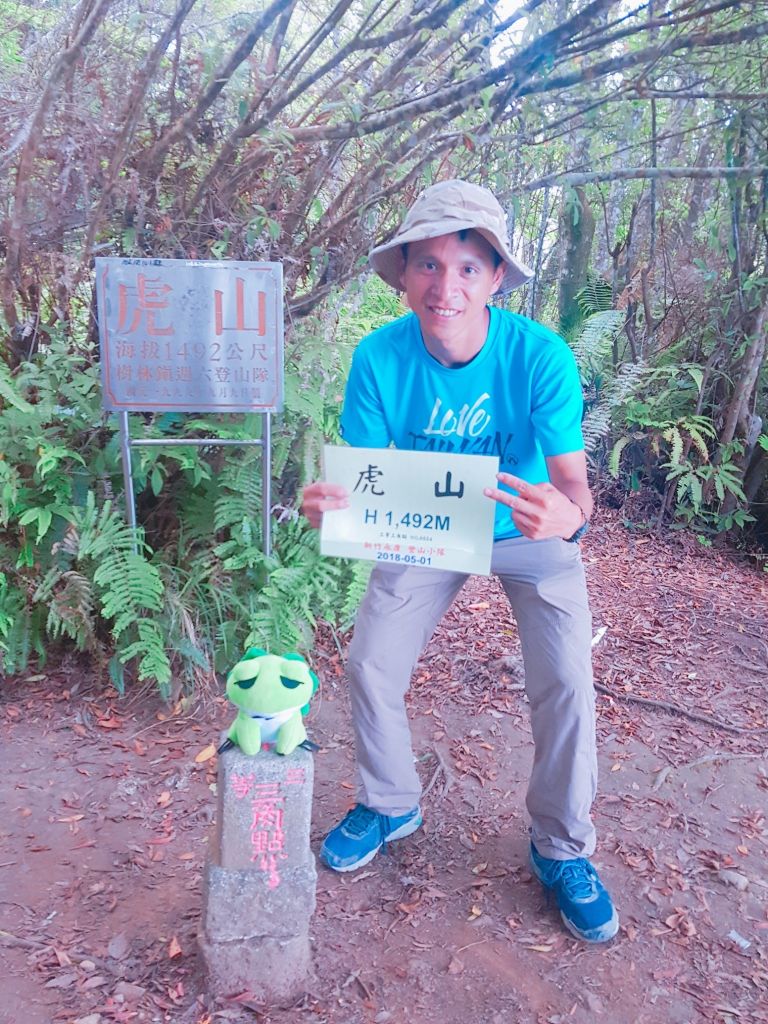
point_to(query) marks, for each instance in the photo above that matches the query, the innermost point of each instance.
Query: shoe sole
(612, 926)
(607, 931)
(406, 829)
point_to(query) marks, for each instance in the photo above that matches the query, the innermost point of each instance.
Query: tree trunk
(744, 383)
(577, 229)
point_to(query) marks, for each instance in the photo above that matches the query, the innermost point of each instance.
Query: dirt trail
(107, 815)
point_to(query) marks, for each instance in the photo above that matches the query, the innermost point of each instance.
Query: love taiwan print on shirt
(467, 431)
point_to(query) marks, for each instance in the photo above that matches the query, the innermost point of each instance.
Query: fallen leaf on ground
(205, 754)
(174, 949)
(109, 723)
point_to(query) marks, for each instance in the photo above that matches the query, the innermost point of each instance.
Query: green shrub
(181, 600)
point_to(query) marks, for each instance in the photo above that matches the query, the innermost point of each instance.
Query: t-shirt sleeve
(558, 403)
(363, 423)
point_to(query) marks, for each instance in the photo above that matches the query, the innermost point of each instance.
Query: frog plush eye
(291, 684)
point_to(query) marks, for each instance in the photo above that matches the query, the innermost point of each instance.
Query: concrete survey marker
(260, 877)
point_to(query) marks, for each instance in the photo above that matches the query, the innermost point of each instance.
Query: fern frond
(239, 492)
(703, 424)
(252, 489)
(696, 491)
(10, 480)
(102, 531)
(71, 610)
(596, 336)
(699, 443)
(615, 456)
(47, 585)
(674, 438)
(598, 421)
(595, 296)
(23, 636)
(129, 586)
(12, 603)
(274, 625)
(228, 509)
(358, 575)
(149, 648)
(196, 517)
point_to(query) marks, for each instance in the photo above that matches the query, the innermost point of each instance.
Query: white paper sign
(412, 508)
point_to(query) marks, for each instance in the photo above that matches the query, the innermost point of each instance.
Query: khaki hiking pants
(544, 582)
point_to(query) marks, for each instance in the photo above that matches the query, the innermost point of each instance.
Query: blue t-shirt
(519, 398)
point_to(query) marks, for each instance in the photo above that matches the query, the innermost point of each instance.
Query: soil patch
(108, 805)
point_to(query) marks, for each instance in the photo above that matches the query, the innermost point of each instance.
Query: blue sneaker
(360, 836)
(585, 906)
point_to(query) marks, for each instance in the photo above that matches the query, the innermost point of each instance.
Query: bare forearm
(579, 493)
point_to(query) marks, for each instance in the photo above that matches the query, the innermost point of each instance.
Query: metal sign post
(191, 336)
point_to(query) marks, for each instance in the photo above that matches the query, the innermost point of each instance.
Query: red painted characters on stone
(267, 829)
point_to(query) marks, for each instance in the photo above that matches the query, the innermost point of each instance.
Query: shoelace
(359, 820)
(577, 879)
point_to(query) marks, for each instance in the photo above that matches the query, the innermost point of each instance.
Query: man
(408, 380)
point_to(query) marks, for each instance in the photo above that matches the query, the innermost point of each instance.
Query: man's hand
(538, 510)
(320, 497)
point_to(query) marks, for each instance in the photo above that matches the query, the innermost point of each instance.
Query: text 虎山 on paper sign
(411, 508)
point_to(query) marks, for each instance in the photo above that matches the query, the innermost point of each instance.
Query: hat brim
(387, 259)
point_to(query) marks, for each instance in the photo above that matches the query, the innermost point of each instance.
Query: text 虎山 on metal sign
(189, 335)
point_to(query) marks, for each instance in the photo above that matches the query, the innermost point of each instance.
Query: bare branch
(129, 119)
(693, 41)
(694, 94)
(32, 135)
(664, 21)
(431, 21)
(631, 173)
(220, 79)
(525, 64)
(357, 43)
(278, 39)
(64, 63)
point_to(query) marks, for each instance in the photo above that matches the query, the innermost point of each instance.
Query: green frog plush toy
(272, 692)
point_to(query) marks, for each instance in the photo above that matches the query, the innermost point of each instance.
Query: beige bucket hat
(441, 209)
